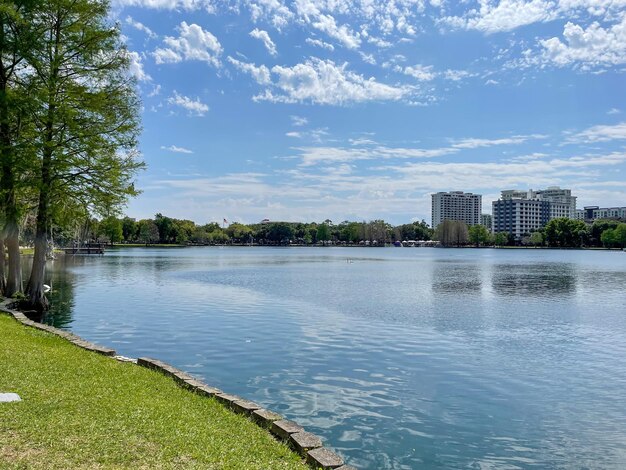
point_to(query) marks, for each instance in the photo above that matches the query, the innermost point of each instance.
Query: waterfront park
(282, 305)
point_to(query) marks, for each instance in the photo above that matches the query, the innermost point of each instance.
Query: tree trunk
(36, 298)
(9, 200)
(3, 259)
(14, 274)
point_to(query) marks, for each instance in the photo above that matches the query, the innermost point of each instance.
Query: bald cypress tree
(16, 155)
(85, 114)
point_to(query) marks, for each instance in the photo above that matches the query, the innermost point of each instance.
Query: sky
(359, 110)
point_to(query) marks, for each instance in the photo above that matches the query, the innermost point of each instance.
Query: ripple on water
(401, 359)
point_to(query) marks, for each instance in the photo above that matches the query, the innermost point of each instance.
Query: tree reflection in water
(61, 278)
(540, 280)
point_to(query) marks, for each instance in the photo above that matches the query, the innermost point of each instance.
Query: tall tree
(478, 235)
(86, 115)
(15, 38)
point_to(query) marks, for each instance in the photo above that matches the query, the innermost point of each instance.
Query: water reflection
(62, 280)
(411, 358)
(542, 280)
(456, 279)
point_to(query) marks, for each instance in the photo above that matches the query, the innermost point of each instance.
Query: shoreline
(308, 446)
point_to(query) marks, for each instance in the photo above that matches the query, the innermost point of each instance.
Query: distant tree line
(558, 233)
(167, 230)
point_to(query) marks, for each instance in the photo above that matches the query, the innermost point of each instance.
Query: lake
(399, 358)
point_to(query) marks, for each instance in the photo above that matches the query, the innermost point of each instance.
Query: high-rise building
(519, 216)
(520, 212)
(456, 205)
(562, 203)
(596, 212)
(486, 220)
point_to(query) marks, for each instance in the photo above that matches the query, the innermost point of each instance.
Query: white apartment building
(596, 212)
(456, 205)
(562, 203)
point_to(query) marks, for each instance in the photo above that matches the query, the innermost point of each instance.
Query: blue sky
(359, 110)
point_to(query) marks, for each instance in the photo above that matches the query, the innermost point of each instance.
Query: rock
(244, 407)
(9, 397)
(265, 417)
(323, 458)
(284, 428)
(304, 441)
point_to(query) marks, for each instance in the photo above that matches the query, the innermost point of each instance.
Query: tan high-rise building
(456, 205)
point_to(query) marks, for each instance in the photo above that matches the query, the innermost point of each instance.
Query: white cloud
(343, 34)
(189, 5)
(421, 72)
(474, 143)
(368, 58)
(320, 43)
(324, 82)
(194, 43)
(601, 133)
(316, 135)
(135, 67)
(273, 10)
(366, 150)
(175, 149)
(155, 91)
(426, 73)
(194, 107)
(261, 73)
(505, 15)
(264, 37)
(613, 111)
(591, 46)
(299, 121)
(140, 27)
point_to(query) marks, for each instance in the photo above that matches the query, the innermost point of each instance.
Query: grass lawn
(83, 410)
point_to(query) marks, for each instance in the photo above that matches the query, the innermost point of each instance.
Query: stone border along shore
(308, 445)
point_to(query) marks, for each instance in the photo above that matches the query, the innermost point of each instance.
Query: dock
(88, 249)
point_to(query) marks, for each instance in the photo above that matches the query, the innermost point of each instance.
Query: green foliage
(536, 238)
(350, 232)
(280, 233)
(614, 237)
(597, 229)
(112, 229)
(501, 239)
(620, 235)
(239, 233)
(479, 235)
(129, 229)
(323, 233)
(564, 232)
(148, 231)
(416, 231)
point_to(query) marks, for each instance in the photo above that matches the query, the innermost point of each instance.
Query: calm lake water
(399, 358)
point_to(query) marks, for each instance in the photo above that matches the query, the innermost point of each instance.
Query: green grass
(83, 410)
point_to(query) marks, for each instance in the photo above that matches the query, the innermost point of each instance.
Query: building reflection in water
(535, 280)
(457, 278)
